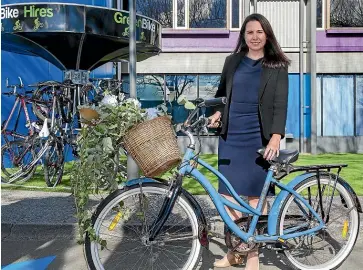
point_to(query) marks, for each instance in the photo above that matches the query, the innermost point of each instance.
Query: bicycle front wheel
(124, 218)
(54, 163)
(328, 248)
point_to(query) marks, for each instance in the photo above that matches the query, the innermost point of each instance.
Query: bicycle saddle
(285, 156)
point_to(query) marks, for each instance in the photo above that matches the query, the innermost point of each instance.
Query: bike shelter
(76, 37)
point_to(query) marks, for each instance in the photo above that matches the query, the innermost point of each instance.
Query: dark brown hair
(274, 56)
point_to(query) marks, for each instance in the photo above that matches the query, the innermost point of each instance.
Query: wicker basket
(153, 146)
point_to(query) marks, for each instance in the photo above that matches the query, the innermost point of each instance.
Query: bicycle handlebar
(14, 86)
(213, 102)
(203, 104)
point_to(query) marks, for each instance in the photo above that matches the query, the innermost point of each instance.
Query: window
(149, 89)
(207, 88)
(159, 10)
(181, 14)
(319, 13)
(154, 89)
(359, 105)
(178, 85)
(345, 13)
(207, 14)
(319, 80)
(187, 14)
(182, 85)
(336, 105)
(208, 85)
(235, 14)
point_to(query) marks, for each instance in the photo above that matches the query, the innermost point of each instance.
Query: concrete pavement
(38, 224)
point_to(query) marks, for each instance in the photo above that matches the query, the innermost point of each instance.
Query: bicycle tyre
(343, 254)
(54, 163)
(7, 173)
(63, 108)
(110, 203)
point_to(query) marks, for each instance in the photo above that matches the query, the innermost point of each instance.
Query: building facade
(323, 39)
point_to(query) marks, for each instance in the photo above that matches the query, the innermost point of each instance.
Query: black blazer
(272, 96)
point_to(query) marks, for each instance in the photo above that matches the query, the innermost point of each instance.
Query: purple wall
(222, 40)
(216, 40)
(339, 40)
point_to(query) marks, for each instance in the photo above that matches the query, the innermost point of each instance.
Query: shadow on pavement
(34, 228)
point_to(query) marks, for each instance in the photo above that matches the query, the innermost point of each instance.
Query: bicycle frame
(22, 101)
(220, 202)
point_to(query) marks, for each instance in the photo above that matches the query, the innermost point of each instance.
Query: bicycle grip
(215, 101)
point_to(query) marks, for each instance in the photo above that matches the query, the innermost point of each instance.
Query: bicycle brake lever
(21, 82)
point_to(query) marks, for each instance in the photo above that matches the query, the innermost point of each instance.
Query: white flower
(110, 100)
(121, 97)
(134, 101)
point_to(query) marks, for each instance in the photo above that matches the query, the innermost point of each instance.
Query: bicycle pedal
(284, 244)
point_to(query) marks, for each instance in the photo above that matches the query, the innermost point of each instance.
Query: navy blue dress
(237, 157)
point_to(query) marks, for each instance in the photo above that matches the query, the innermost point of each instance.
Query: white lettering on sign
(147, 24)
(9, 13)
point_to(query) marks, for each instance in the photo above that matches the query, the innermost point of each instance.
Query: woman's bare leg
(230, 258)
(252, 257)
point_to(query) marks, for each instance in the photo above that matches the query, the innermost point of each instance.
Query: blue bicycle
(156, 224)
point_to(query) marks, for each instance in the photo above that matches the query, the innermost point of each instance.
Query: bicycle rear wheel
(42, 104)
(15, 159)
(123, 219)
(329, 247)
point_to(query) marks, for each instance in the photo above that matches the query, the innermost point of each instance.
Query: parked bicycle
(21, 153)
(150, 223)
(97, 88)
(56, 103)
(21, 100)
(17, 146)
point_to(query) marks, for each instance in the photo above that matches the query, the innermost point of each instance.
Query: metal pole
(118, 68)
(314, 112)
(254, 6)
(132, 168)
(301, 71)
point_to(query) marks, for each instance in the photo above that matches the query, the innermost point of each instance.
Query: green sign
(77, 19)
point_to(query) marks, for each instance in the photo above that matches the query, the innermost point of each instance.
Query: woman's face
(255, 36)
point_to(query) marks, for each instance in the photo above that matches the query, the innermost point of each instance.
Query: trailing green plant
(99, 153)
(99, 150)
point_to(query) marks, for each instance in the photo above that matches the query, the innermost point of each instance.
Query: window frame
(320, 99)
(229, 13)
(323, 15)
(186, 12)
(175, 15)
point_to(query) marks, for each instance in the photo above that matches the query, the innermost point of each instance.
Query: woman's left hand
(272, 149)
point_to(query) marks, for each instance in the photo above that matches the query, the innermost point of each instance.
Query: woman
(255, 81)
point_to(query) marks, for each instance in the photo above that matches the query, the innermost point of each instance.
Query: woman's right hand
(215, 120)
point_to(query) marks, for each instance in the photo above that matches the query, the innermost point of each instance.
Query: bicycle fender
(202, 221)
(137, 181)
(276, 206)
